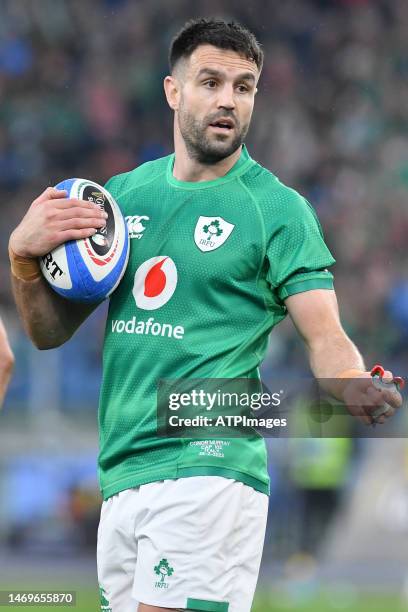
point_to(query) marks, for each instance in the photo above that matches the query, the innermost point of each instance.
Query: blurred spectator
(81, 94)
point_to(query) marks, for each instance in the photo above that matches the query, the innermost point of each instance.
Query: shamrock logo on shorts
(163, 570)
(104, 602)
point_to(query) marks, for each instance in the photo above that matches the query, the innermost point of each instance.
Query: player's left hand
(372, 398)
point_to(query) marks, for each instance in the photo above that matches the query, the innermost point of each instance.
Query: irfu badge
(211, 232)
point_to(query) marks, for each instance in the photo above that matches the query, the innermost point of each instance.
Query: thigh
(117, 551)
(200, 544)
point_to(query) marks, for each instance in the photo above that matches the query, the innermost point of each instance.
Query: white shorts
(192, 543)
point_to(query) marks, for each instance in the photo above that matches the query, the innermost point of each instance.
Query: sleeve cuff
(322, 280)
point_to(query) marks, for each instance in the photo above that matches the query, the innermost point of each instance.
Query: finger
(75, 234)
(388, 377)
(51, 193)
(71, 202)
(80, 212)
(79, 223)
(359, 412)
(389, 391)
(380, 415)
(372, 411)
(366, 420)
(380, 420)
(389, 413)
(370, 418)
(392, 397)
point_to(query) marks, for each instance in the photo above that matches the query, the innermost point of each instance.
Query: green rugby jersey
(210, 266)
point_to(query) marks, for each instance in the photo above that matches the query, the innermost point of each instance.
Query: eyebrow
(246, 76)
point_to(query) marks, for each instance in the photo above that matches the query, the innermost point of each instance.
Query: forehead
(225, 60)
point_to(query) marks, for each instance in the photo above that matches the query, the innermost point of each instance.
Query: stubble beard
(200, 147)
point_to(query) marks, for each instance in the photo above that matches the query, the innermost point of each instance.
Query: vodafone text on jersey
(154, 284)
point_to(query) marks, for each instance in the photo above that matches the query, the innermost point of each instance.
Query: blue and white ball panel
(90, 269)
(54, 266)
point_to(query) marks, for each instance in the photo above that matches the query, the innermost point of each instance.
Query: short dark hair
(224, 35)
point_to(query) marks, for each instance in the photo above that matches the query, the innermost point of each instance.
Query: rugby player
(223, 252)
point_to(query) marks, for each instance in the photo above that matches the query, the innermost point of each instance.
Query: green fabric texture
(228, 252)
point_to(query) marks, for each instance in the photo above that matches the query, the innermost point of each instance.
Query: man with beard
(221, 251)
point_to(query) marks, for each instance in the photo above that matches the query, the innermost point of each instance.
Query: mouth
(223, 125)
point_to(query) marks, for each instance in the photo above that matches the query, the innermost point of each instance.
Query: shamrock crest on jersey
(213, 228)
(211, 232)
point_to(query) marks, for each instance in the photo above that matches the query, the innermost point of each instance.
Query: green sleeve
(297, 254)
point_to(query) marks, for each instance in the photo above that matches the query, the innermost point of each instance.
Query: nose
(226, 97)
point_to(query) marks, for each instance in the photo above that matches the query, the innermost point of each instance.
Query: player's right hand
(53, 219)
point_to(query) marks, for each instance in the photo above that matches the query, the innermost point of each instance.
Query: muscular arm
(6, 362)
(316, 317)
(333, 357)
(52, 219)
(49, 319)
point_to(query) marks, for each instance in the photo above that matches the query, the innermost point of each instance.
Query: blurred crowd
(81, 95)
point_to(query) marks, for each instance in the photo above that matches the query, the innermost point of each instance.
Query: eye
(243, 88)
(211, 83)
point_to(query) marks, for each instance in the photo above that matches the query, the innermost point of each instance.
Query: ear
(172, 88)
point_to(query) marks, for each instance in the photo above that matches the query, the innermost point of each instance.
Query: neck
(188, 169)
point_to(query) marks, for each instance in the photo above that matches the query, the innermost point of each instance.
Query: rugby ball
(89, 270)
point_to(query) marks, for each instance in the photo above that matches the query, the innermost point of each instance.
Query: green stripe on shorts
(203, 605)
